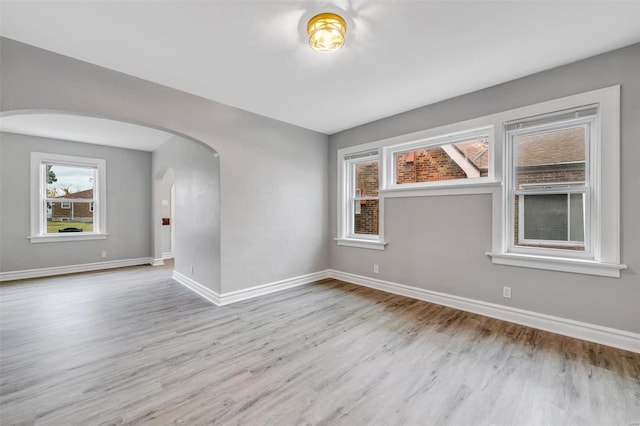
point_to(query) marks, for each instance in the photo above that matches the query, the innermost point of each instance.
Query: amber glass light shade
(326, 32)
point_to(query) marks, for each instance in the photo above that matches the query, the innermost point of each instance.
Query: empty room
(344, 212)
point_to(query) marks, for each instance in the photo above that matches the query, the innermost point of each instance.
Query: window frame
(550, 123)
(355, 197)
(605, 179)
(38, 189)
(426, 140)
(347, 158)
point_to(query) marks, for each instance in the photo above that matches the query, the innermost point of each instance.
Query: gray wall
(196, 172)
(128, 205)
(438, 243)
(273, 176)
(164, 231)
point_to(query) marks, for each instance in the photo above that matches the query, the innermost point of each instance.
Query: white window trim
(68, 205)
(428, 139)
(591, 160)
(606, 174)
(374, 242)
(38, 212)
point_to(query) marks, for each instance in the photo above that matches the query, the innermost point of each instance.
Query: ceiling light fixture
(326, 32)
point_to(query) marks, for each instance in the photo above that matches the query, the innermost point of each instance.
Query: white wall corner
(197, 288)
(593, 333)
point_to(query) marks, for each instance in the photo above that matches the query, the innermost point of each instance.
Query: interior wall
(439, 243)
(166, 208)
(273, 175)
(195, 170)
(128, 193)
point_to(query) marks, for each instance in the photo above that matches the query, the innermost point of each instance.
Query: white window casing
(585, 187)
(458, 133)
(39, 161)
(602, 191)
(349, 198)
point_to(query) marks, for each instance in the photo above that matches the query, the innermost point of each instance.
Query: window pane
(69, 183)
(77, 218)
(576, 217)
(556, 156)
(550, 220)
(366, 179)
(546, 217)
(459, 160)
(366, 222)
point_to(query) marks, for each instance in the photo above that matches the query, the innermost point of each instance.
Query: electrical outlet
(376, 268)
(103, 254)
(506, 292)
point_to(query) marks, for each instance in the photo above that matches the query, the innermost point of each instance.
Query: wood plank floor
(132, 346)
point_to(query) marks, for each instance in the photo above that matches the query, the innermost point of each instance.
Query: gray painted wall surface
(128, 193)
(196, 171)
(438, 243)
(273, 176)
(165, 210)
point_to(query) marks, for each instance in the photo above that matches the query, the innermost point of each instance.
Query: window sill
(578, 266)
(454, 188)
(67, 237)
(366, 244)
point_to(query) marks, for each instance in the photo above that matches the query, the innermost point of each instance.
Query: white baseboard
(247, 293)
(197, 288)
(71, 269)
(594, 333)
(157, 262)
(261, 290)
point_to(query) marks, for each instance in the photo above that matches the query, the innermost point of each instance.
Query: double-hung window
(551, 184)
(68, 198)
(360, 203)
(560, 207)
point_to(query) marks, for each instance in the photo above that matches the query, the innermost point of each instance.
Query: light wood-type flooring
(132, 346)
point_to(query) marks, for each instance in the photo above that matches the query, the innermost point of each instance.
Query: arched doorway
(186, 164)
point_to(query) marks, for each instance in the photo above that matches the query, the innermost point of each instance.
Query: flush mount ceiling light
(326, 32)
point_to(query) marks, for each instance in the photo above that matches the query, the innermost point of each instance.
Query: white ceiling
(86, 129)
(253, 54)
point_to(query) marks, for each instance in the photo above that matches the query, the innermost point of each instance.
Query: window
(360, 206)
(554, 181)
(68, 198)
(560, 206)
(442, 160)
(550, 188)
(363, 185)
